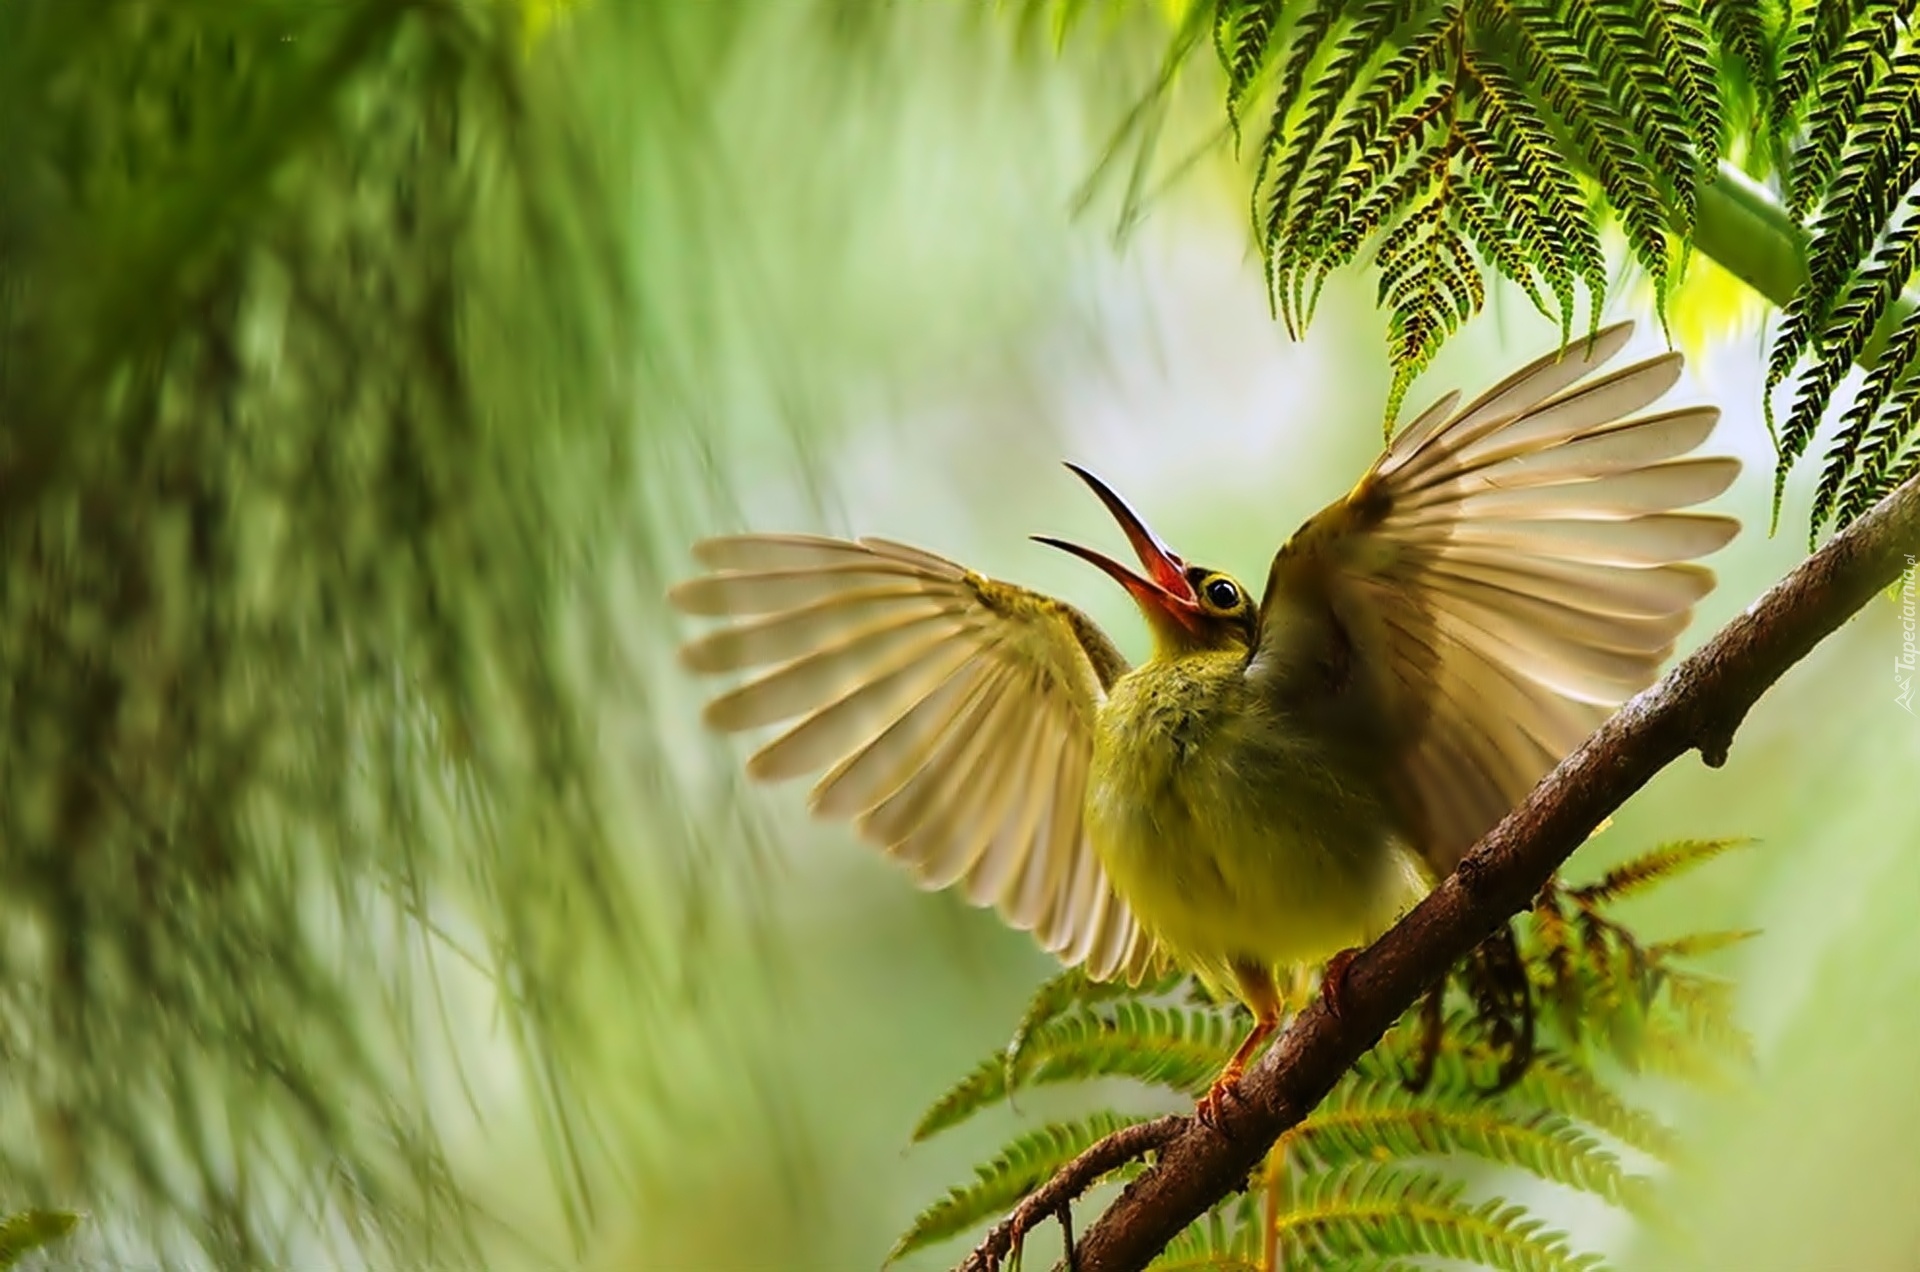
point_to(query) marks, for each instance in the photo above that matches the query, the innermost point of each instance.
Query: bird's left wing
(1504, 576)
(953, 714)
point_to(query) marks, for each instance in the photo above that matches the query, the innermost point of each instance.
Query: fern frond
(985, 1085)
(1375, 1214)
(1879, 166)
(1513, 145)
(1219, 1242)
(1284, 150)
(1637, 874)
(1816, 29)
(1699, 944)
(1072, 988)
(1287, 148)
(1607, 33)
(1872, 450)
(1380, 1121)
(1848, 329)
(1678, 44)
(1557, 66)
(1177, 1047)
(1430, 283)
(1704, 1007)
(1513, 250)
(1740, 26)
(1561, 1085)
(1843, 85)
(1896, 428)
(1401, 113)
(1243, 33)
(999, 1184)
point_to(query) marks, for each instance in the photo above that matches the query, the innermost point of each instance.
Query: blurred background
(371, 895)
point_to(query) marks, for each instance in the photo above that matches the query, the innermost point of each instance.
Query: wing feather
(952, 716)
(1510, 572)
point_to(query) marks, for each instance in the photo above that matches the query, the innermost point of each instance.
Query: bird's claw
(1333, 981)
(1225, 1087)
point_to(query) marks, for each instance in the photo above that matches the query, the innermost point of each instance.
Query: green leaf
(1370, 1120)
(1243, 32)
(1637, 874)
(1375, 1213)
(1429, 281)
(1178, 1047)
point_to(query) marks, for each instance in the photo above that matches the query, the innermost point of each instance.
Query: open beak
(1164, 587)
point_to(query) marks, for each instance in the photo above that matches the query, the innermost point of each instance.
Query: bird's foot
(1224, 1088)
(1333, 981)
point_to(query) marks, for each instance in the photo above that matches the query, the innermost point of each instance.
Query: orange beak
(1164, 588)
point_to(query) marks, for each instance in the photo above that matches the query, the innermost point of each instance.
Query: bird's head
(1188, 608)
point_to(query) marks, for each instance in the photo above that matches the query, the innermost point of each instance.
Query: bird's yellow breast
(1231, 832)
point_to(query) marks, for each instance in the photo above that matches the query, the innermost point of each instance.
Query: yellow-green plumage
(1277, 782)
(1232, 835)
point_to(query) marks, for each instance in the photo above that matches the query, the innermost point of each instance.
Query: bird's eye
(1222, 594)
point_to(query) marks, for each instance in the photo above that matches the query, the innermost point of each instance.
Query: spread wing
(953, 716)
(1504, 576)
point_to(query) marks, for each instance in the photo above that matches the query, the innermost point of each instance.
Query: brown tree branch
(1697, 706)
(1053, 1197)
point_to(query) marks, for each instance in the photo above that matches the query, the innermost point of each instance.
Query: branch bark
(1698, 706)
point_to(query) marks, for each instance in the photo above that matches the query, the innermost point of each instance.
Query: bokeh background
(847, 267)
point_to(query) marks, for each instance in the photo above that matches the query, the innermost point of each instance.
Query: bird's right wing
(953, 714)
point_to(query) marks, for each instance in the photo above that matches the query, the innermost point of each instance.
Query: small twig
(1697, 705)
(1055, 1197)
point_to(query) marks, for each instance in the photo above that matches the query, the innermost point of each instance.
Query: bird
(1285, 775)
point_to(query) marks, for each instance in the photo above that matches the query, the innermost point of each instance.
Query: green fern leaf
(1376, 1214)
(1368, 199)
(985, 1085)
(1696, 1040)
(1675, 39)
(1556, 64)
(1637, 874)
(1558, 1084)
(1395, 119)
(1430, 284)
(1904, 468)
(1353, 52)
(1699, 944)
(1873, 450)
(1377, 1121)
(1876, 476)
(1607, 33)
(1242, 38)
(1817, 28)
(1740, 26)
(1514, 150)
(1283, 152)
(1844, 82)
(999, 1184)
(1848, 329)
(1059, 1039)
(1219, 1242)
(1072, 989)
(1177, 1047)
(1180, 1048)
(1507, 250)
(1878, 167)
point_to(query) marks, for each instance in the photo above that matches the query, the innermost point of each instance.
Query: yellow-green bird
(1281, 779)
